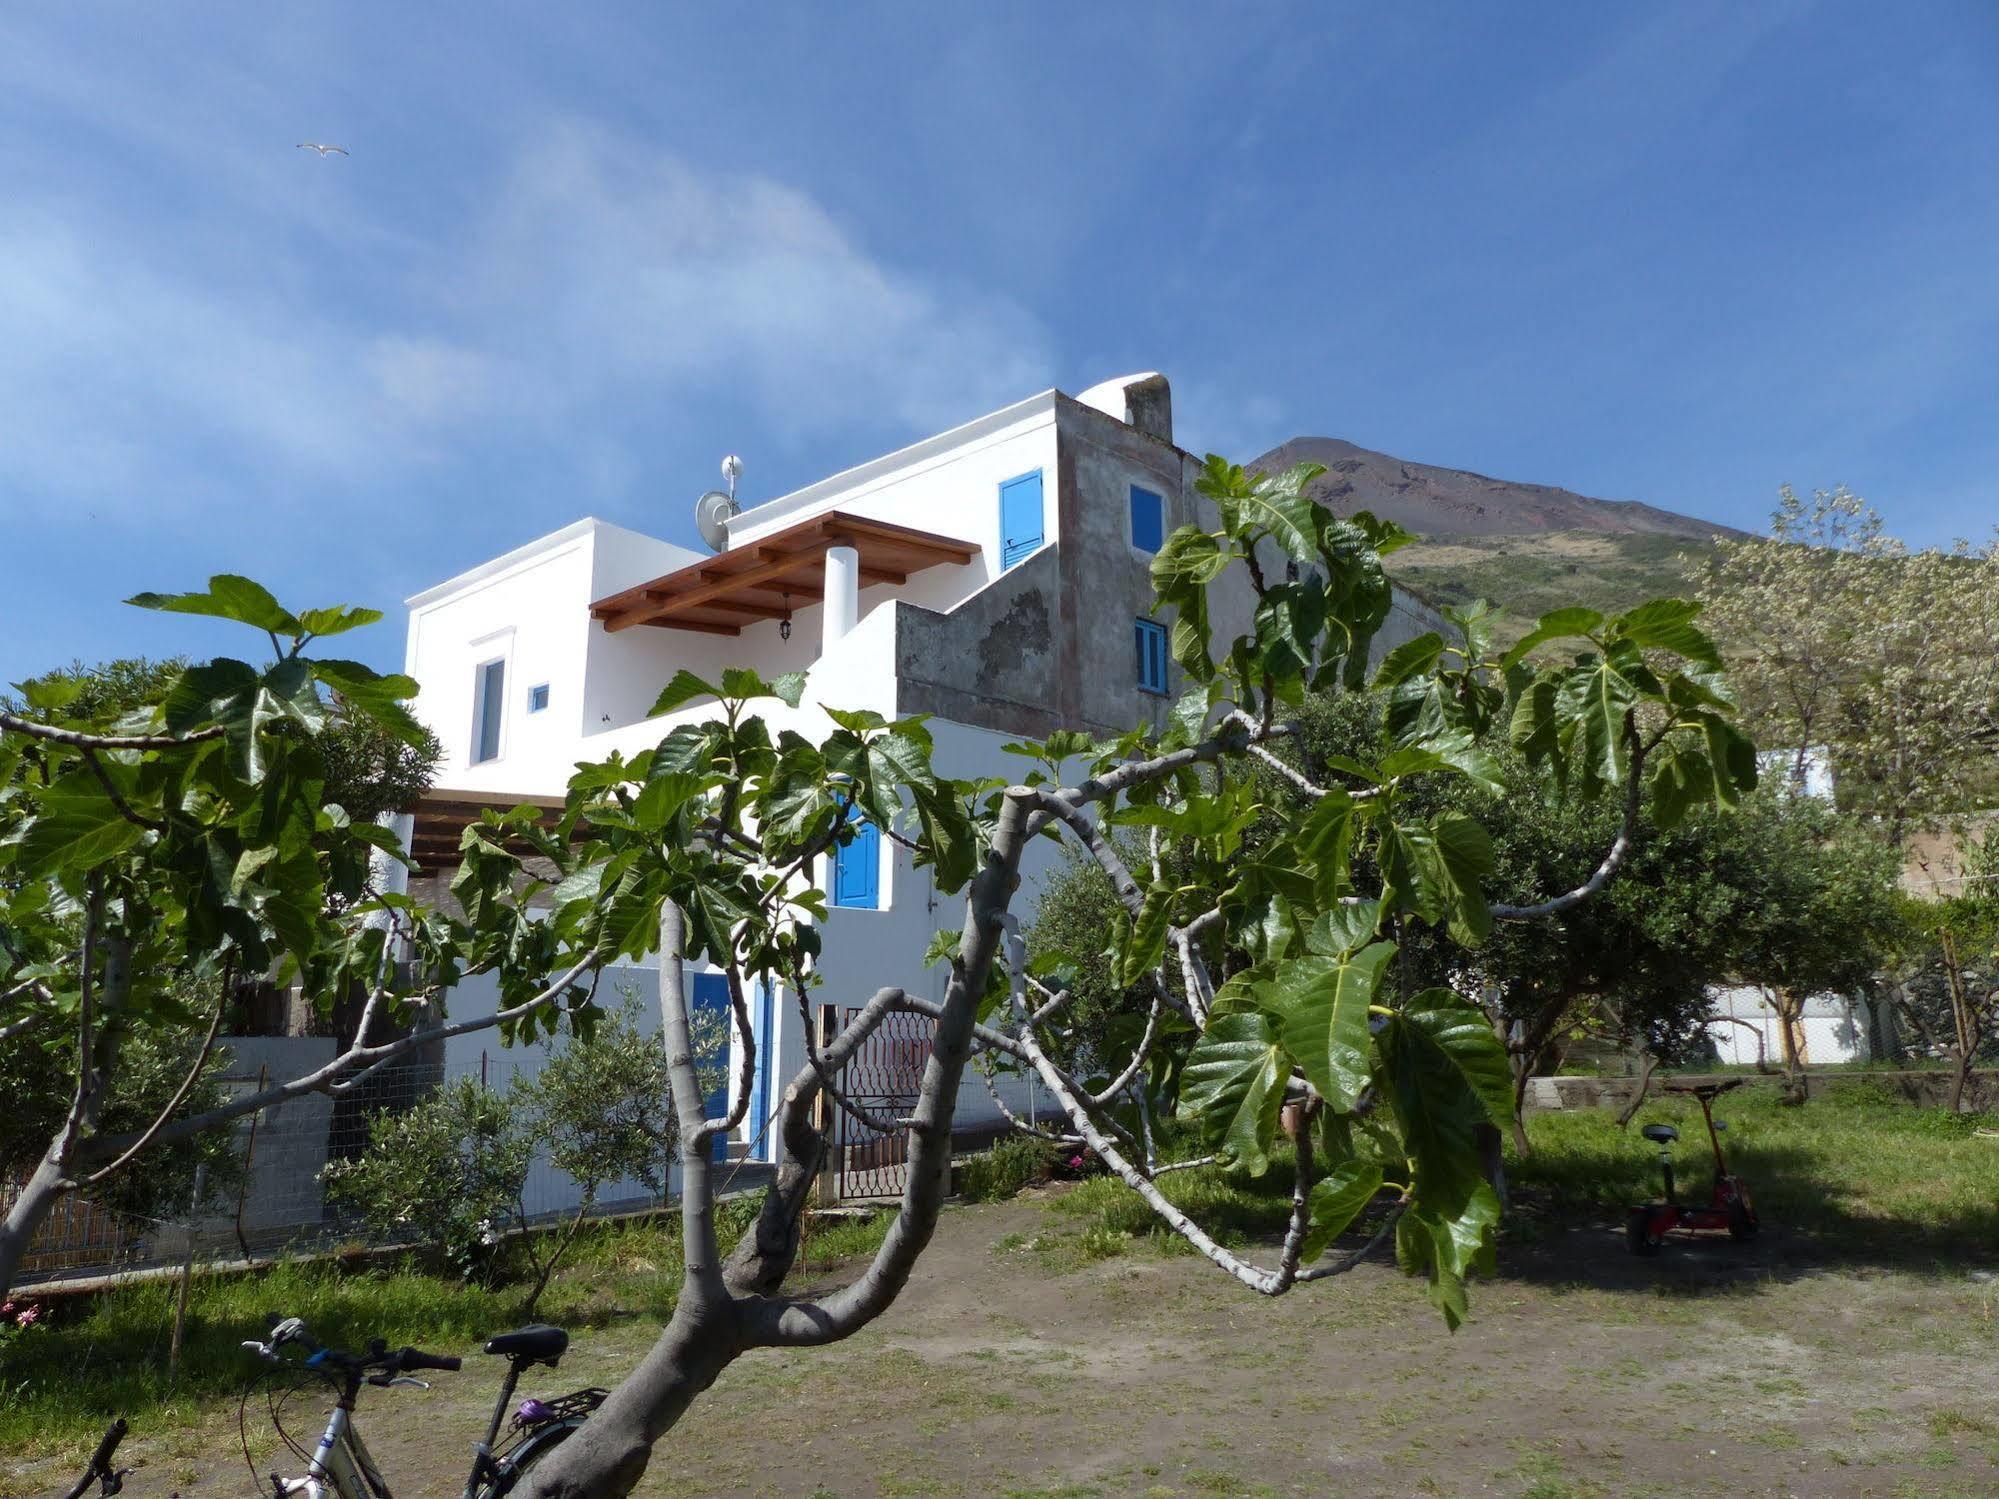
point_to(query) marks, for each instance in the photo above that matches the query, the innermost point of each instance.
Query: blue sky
(1680, 254)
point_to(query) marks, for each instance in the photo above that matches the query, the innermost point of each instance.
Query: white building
(994, 576)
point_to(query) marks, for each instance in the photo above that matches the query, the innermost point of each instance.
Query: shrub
(996, 1174)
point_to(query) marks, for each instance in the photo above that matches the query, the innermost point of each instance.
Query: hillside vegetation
(1533, 574)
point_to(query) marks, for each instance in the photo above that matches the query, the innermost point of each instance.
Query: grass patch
(105, 1355)
(996, 1174)
(1856, 1165)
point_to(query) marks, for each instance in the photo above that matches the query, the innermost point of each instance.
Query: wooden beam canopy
(782, 572)
(440, 817)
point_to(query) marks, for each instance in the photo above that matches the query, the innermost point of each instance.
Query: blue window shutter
(1020, 518)
(857, 869)
(1148, 520)
(1150, 638)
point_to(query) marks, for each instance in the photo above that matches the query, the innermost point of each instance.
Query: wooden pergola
(440, 818)
(770, 577)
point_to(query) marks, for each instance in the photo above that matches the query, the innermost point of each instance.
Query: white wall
(1835, 1029)
(530, 609)
(948, 484)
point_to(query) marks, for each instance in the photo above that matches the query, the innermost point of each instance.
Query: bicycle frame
(341, 1467)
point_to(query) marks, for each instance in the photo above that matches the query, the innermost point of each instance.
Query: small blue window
(857, 868)
(538, 698)
(1148, 520)
(1151, 640)
(1020, 518)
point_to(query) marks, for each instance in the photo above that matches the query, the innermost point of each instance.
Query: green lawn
(104, 1355)
(1853, 1178)
(1860, 1171)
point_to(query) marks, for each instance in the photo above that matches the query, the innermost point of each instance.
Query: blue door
(709, 994)
(857, 868)
(1020, 518)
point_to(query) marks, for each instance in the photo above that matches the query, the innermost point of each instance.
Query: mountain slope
(1526, 547)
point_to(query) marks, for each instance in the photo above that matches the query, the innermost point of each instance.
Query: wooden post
(825, 1119)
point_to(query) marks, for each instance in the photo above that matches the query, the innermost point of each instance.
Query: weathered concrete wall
(991, 661)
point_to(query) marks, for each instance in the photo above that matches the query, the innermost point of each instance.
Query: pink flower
(28, 1317)
(1075, 1162)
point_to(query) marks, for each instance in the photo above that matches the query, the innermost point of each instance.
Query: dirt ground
(1014, 1366)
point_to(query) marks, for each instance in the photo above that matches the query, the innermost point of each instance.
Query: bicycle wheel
(532, 1451)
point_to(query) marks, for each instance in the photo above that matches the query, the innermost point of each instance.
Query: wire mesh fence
(276, 1201)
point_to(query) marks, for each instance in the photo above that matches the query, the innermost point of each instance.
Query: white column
(389, 875)
(843, 594)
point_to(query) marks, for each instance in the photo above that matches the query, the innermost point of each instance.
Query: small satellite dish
(711, 518)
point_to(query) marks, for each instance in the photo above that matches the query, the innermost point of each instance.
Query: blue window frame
(857, 868)
(538, 698)
(1148, 520)
(489, 711)
(1151, 641)
(1020, 518)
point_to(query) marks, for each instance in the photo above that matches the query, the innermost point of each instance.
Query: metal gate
(882, 1078)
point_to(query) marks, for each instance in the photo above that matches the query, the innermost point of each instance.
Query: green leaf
(1562, 624)
(682, 689)
(228, 597)
(325, 622)
(1464, 1033)
(1337, 1199)
(1233, 1083)
(1592, 701)
(75, 826)
(789, 689)
(1412, 658)
(1148, 933)
(1667, 625)
(1322, 1009)
(1462, 851)
(1733, 755)
(1344, 928)
(52, 693)
(1436, 1110)
(1278, 504)
(379, 697)
(664, 795)
(1447, 1246)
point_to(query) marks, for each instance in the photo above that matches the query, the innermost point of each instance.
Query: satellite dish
(711, 518)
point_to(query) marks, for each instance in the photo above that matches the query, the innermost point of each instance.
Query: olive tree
(1843, 637)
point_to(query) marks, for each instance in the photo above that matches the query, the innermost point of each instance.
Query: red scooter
(1730, 1207)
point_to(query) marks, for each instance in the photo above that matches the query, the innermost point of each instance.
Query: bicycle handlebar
(416, 1358)
(376, 1359)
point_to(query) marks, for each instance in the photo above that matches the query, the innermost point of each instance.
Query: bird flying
(322, 150)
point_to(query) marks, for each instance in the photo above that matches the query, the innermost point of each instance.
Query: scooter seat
(534, 1344)
(1660, 1134)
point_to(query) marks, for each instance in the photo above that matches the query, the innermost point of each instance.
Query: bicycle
(341, 1467)
(109, 1480)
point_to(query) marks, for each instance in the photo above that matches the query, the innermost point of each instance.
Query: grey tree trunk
(711, 1326)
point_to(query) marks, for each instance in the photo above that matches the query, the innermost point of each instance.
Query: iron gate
(882, 1078)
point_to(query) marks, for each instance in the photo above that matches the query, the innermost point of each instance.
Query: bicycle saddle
(537, 1343)
(1658, 1134)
